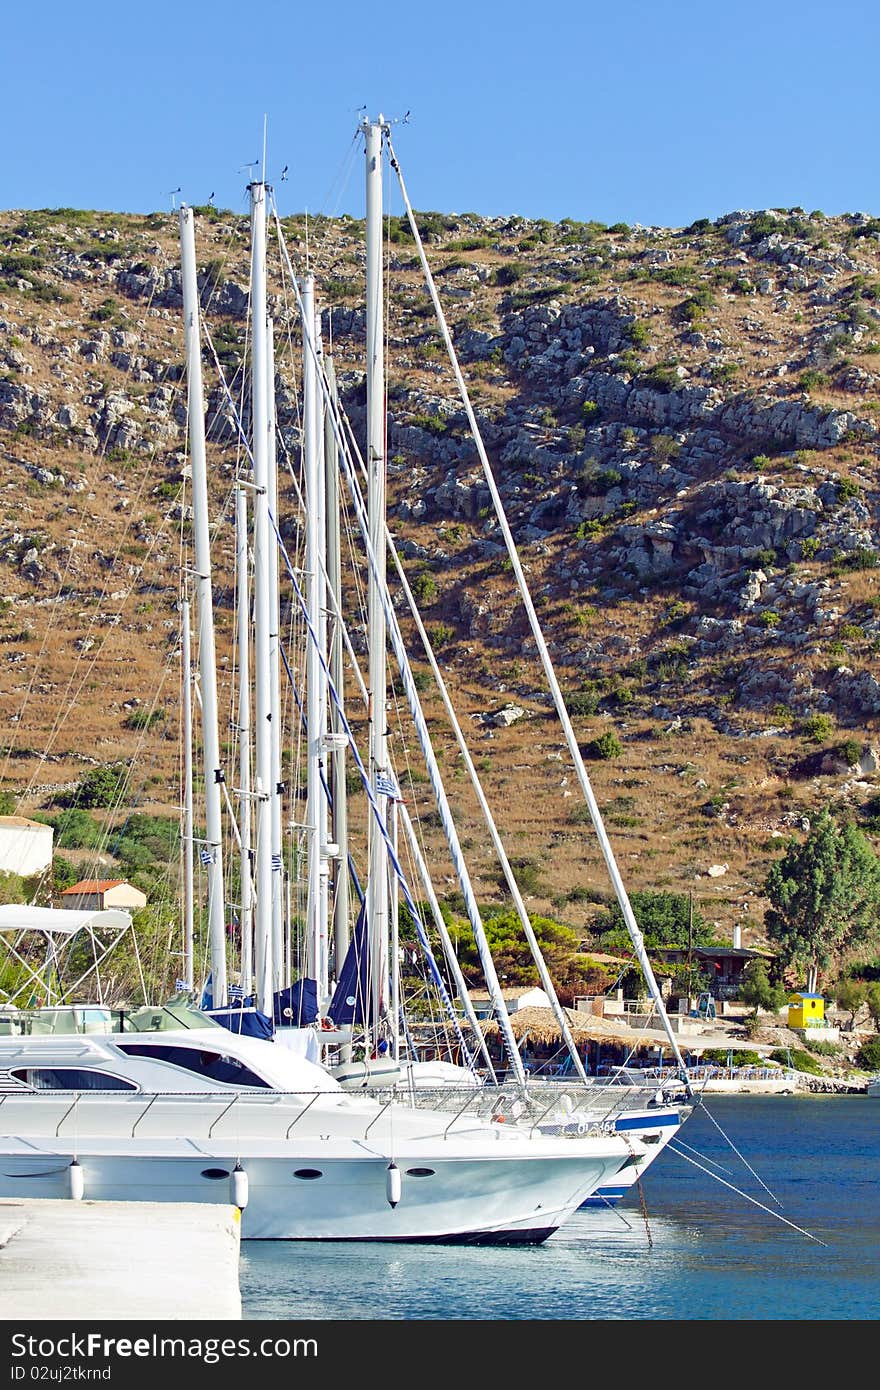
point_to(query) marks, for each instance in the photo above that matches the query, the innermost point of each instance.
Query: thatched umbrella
(542, 1027)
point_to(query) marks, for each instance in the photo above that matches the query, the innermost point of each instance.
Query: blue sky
(634, 111)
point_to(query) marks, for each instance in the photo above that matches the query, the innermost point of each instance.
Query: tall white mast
(339, 744)
(265, 967)
(279, 967)
(317, 913)
(188, 905)
(244, 737)
(377, 884)
(213, 854)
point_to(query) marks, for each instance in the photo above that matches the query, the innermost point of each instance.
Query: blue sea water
(685, 1247)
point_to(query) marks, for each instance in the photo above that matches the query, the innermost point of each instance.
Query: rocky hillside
(684, 427)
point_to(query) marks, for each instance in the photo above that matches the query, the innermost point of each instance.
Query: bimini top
(60, 921)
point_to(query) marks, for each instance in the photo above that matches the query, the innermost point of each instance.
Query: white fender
(75, 1181)
(393, 1184)
(239, 1185)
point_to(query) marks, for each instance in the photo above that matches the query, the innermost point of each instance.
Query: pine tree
(824, 895)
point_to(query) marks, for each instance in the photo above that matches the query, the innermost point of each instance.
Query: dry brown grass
(71, 703)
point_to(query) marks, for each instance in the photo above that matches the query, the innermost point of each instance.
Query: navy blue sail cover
(297, 1005)
(249, 1022)
(352, 1001)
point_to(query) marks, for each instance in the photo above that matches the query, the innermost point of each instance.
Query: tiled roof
(93, 885)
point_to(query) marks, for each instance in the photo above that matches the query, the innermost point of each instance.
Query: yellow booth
(806, 1011)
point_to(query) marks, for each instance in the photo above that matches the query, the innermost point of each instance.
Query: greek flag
(276, 862)
(235, 992)
(208, 856)
(386, 785)
(180, 986)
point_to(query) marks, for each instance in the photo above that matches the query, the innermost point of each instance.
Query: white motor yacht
(162, 1104)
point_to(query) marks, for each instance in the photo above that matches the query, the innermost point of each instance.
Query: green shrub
(441, 633)
(850, 751)
(607, 745)
(594, 482)
(582, 702)
(664, 448)
(725, 372)
(628, 362)
(12, 888)
(818, 728)
(424, 587)
(862, 558)
(74, 829)
(64, 875)
(807, 380)
(675, 612)
(662, 378)
(101, 787)
(693, 309)
(508, 274)
(144, 718)
(758, 991)
(821, 1047)
(745, 1058)
(868, 1055)
(433, 424)
(797, 1058)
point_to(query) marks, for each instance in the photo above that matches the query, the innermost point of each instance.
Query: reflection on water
(696, 1251)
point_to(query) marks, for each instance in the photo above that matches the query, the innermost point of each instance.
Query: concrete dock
(103, 1260)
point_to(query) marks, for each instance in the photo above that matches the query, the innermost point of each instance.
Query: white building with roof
(95, 894)
(25, 846)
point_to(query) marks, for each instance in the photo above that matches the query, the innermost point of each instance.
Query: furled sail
(352, 999)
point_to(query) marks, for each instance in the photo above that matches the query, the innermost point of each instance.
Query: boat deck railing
(280, 1116)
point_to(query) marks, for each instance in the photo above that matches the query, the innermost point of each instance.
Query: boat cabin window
(71, 1079)
(214, 1065)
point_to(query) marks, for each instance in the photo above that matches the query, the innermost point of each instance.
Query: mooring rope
(733, 1188)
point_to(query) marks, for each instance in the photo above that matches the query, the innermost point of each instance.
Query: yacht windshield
(178, 1012)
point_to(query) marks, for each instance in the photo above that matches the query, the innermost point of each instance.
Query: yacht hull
(646, 1136)
(311, 1193)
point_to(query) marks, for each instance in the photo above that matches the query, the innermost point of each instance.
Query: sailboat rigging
(328, 440)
